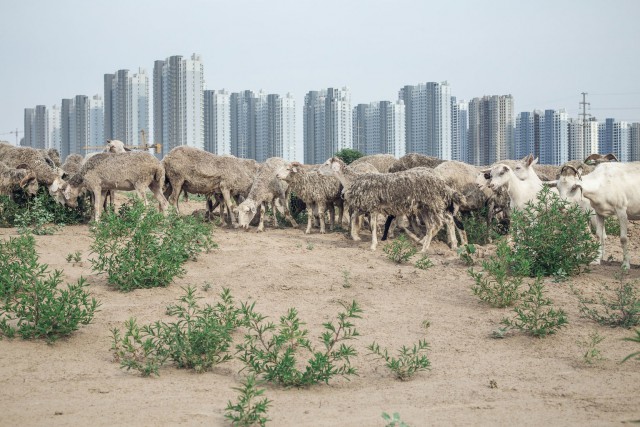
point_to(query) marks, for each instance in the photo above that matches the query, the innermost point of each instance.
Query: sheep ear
(127, 149)
(27, 179)
(579, 172)
(534, 161)
(611, 157)
(55, 186)
(550, 183)
(505, 169)
(22, 166)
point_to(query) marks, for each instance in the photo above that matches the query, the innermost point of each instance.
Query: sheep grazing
(317, 191)
(39, 164)
(266, 188)
(197, 171)
(414, 160)
(122, 171)
(418, 191)
(611, 189)
(11, 178)
(382, 162)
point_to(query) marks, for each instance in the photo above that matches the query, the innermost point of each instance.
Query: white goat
(612, 189)
(522, 182)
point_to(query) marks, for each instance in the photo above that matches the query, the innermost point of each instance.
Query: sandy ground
(75, 382)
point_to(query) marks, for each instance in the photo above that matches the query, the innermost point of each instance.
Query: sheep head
(71, 195)
(115, 146)
(284, 173)
(246, 212)
(29, 183)
(498, 176)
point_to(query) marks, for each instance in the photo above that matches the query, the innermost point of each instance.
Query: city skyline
(530, 51)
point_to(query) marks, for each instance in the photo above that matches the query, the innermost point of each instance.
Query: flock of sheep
(421, 193)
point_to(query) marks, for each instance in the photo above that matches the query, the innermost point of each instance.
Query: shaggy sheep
(11, 178)
(72, 165)
(53, 155)
(315, 190)
(200, 172)
(414, 160)
(37, 163)
(382, 162)
(418, 191)
(122, 171)
(266, 188)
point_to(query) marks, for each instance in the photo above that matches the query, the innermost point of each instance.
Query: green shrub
(534, 314)
(247, 411)
(612, 226)
(32, 304)
(477, 229)
(409, 361)
(271, 351)
(348, 155)
(500, 281)
(553, 235)
(619, 306)
(424, 263)
(198, 340)
(592, 353)
(139, 247)
(400, 250)
(21, 208)
(466, 253)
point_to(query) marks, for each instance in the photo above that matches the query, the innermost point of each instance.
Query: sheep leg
(332, 216)
(176, 189)
(226, 194)
(156, 189)
(321, 216)
(374, 230)
(310, 218)
(451, 233)
(261, 223)
(355, 225)
(97, 203)
(140, 189)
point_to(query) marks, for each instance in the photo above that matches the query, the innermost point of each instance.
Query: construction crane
(15, 132)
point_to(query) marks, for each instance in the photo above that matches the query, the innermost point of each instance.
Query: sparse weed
(393, 421)
(533, 315)
(346, 276)
(466, 253)
(32, 304)
(271, 351)
(310, 246)
(409, 361)
(74, 257)
(635, 339)
(248, 410)
(500, 281)
(198, 340)
(424, 263)
(400, 250)
(592, 353)
(619, 306)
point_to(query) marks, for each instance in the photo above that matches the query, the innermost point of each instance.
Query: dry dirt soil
(475, 379)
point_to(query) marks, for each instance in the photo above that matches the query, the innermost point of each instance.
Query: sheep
(611, 189)
(266, 187)
(10, 178)
(122, 171)
(53, 155)
(414, 160)
(382, 162)
(418, 191)
(72, 164)
(315, 190)
(37, 163)
(200, 172)
(115, 146)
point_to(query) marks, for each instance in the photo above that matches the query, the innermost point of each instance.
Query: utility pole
(584, 115)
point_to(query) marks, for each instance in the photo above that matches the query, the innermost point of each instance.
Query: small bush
(32, 304)
(139, 247)
(400, 250)
(553, 235)
(248, 411)
(424, 263)
(348, 155)
(592, 353)
(409, 361)
(198, 340)
(19, 207)
(466, 253)
(619, 306)
(533, 316)
(271, 351)
(393, 421)
(500, 281)
(477, 229)
(612, 226)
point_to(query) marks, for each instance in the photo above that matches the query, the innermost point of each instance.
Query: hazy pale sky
(543, 52)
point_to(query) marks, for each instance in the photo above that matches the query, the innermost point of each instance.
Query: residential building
(527, 134)
(181, 84)
(275, 126)
(126, 106)
(379, 128)
(428, 119)
(634, 142)
(243, 124)
(491, 129)
(66, 109)
(29, 118)
(53, 128)
(459, 130)
(96, 139)
(327, 123)
(554, 137)
(217, 121)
